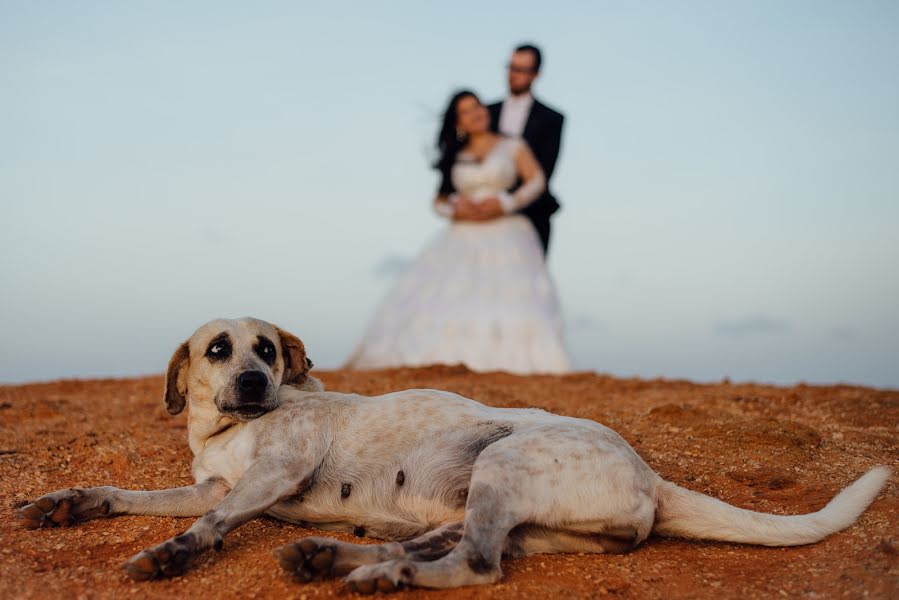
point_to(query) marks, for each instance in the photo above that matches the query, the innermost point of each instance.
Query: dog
(452, 485)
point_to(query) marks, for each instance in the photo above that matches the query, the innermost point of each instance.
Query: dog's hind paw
(389, 576)
(308, 559)
(63, 508)
(168, 559)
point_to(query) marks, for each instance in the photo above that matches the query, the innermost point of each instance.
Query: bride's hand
(465, 210)
(489, 208)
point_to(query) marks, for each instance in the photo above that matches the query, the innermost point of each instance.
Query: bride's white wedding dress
(479, 294)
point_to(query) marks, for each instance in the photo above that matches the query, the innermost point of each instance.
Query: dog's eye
(266, 350)
(218, 350)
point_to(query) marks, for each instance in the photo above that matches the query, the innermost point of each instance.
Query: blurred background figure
(521, 115)
(729, 205)
(480, 293)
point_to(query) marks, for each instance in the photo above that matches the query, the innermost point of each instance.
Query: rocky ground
(781, 450)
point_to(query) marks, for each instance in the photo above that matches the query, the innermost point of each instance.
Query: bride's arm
(445, 200)
(443, 205)
(534, 181)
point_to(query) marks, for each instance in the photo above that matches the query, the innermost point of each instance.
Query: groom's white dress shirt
(514, 114)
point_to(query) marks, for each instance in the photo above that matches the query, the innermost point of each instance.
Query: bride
(479, 294)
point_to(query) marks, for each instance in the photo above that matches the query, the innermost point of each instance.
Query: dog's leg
(66, 507)
(474, 560)
(262, 486)
(525, 540)
(434, 544)
(317, 557)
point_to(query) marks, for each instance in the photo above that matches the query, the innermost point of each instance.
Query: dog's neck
(205, 423)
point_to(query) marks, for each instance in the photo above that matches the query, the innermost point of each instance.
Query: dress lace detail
(491, 176)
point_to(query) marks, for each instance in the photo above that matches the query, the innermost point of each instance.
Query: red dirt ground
(781, 450)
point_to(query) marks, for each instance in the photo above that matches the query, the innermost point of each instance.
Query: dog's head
(238, 365)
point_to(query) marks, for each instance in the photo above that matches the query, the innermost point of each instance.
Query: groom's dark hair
(538, 58)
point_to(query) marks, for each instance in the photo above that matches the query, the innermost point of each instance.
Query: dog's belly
(382, 523)
(382, 501)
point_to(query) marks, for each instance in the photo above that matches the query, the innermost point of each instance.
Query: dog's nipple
(345, 490)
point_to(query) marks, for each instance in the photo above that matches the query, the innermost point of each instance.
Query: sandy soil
(782, 450)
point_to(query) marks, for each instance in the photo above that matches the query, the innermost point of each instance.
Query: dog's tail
(683, 513)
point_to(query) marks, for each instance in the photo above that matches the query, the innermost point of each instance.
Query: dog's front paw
(308, 559)
(168, 559)
(387, 576)
(63, 508)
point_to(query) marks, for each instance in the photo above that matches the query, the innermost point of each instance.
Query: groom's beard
(518, 91)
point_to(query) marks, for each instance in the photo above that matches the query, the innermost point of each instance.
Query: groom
(521, 115)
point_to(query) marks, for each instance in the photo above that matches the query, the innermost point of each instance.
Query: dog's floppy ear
(175, 393)
(296, 363)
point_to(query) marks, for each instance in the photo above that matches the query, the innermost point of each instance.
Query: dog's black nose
(253, 382)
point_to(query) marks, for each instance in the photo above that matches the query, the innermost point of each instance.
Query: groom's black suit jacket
(543, 133)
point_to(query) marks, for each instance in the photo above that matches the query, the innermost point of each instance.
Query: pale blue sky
(729, 176)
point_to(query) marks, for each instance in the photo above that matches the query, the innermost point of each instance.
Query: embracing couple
(480, 294)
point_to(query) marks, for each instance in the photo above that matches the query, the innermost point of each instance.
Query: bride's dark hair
(448, 141)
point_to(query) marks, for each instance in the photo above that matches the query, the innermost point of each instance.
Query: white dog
(460, 482)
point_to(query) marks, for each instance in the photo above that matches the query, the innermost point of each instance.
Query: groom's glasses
(522, 70)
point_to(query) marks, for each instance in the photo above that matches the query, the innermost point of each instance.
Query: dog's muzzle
(252, 392)
(252, 385)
